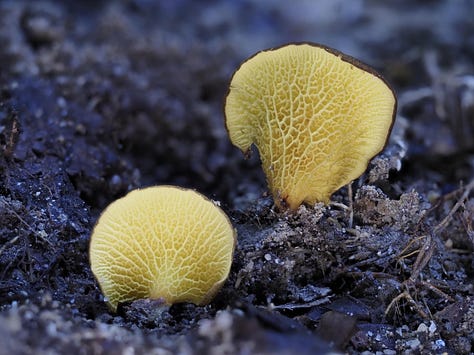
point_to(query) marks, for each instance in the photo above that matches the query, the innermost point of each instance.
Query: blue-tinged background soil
(101, 97)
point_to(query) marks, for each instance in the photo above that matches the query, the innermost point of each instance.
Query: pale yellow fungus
(317, 117)
(162, 242)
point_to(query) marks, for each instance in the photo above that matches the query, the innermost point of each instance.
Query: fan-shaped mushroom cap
(317, 117)
(163, 243)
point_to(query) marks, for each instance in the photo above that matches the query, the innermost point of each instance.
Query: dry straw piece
(317, 117)
(164, 243)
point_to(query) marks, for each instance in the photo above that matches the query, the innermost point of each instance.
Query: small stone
(432, 327)
(413, 344)
(422, 328)
(440, 343)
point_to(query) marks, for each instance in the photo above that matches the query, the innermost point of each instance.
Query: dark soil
(98, 98)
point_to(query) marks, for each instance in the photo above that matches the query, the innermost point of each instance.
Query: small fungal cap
(317, 117)
(162, 242)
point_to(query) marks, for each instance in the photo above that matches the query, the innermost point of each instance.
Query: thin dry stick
(445, 222)
(11, 241)
(351, 204)
(406, 295)
(348, 208)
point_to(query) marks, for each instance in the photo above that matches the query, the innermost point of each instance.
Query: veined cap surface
(162, 242)
(317, 117)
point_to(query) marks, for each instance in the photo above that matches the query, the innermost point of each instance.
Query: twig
(11, 241)
(351, 204)
(445, 222)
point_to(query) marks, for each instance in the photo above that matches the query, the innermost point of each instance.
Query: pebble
(422, 328)
(413, 344)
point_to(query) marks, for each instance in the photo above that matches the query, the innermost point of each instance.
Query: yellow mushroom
(317, 117)
(162, 242)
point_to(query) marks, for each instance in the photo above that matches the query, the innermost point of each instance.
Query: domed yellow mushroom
(317, 117)
(163, 243)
